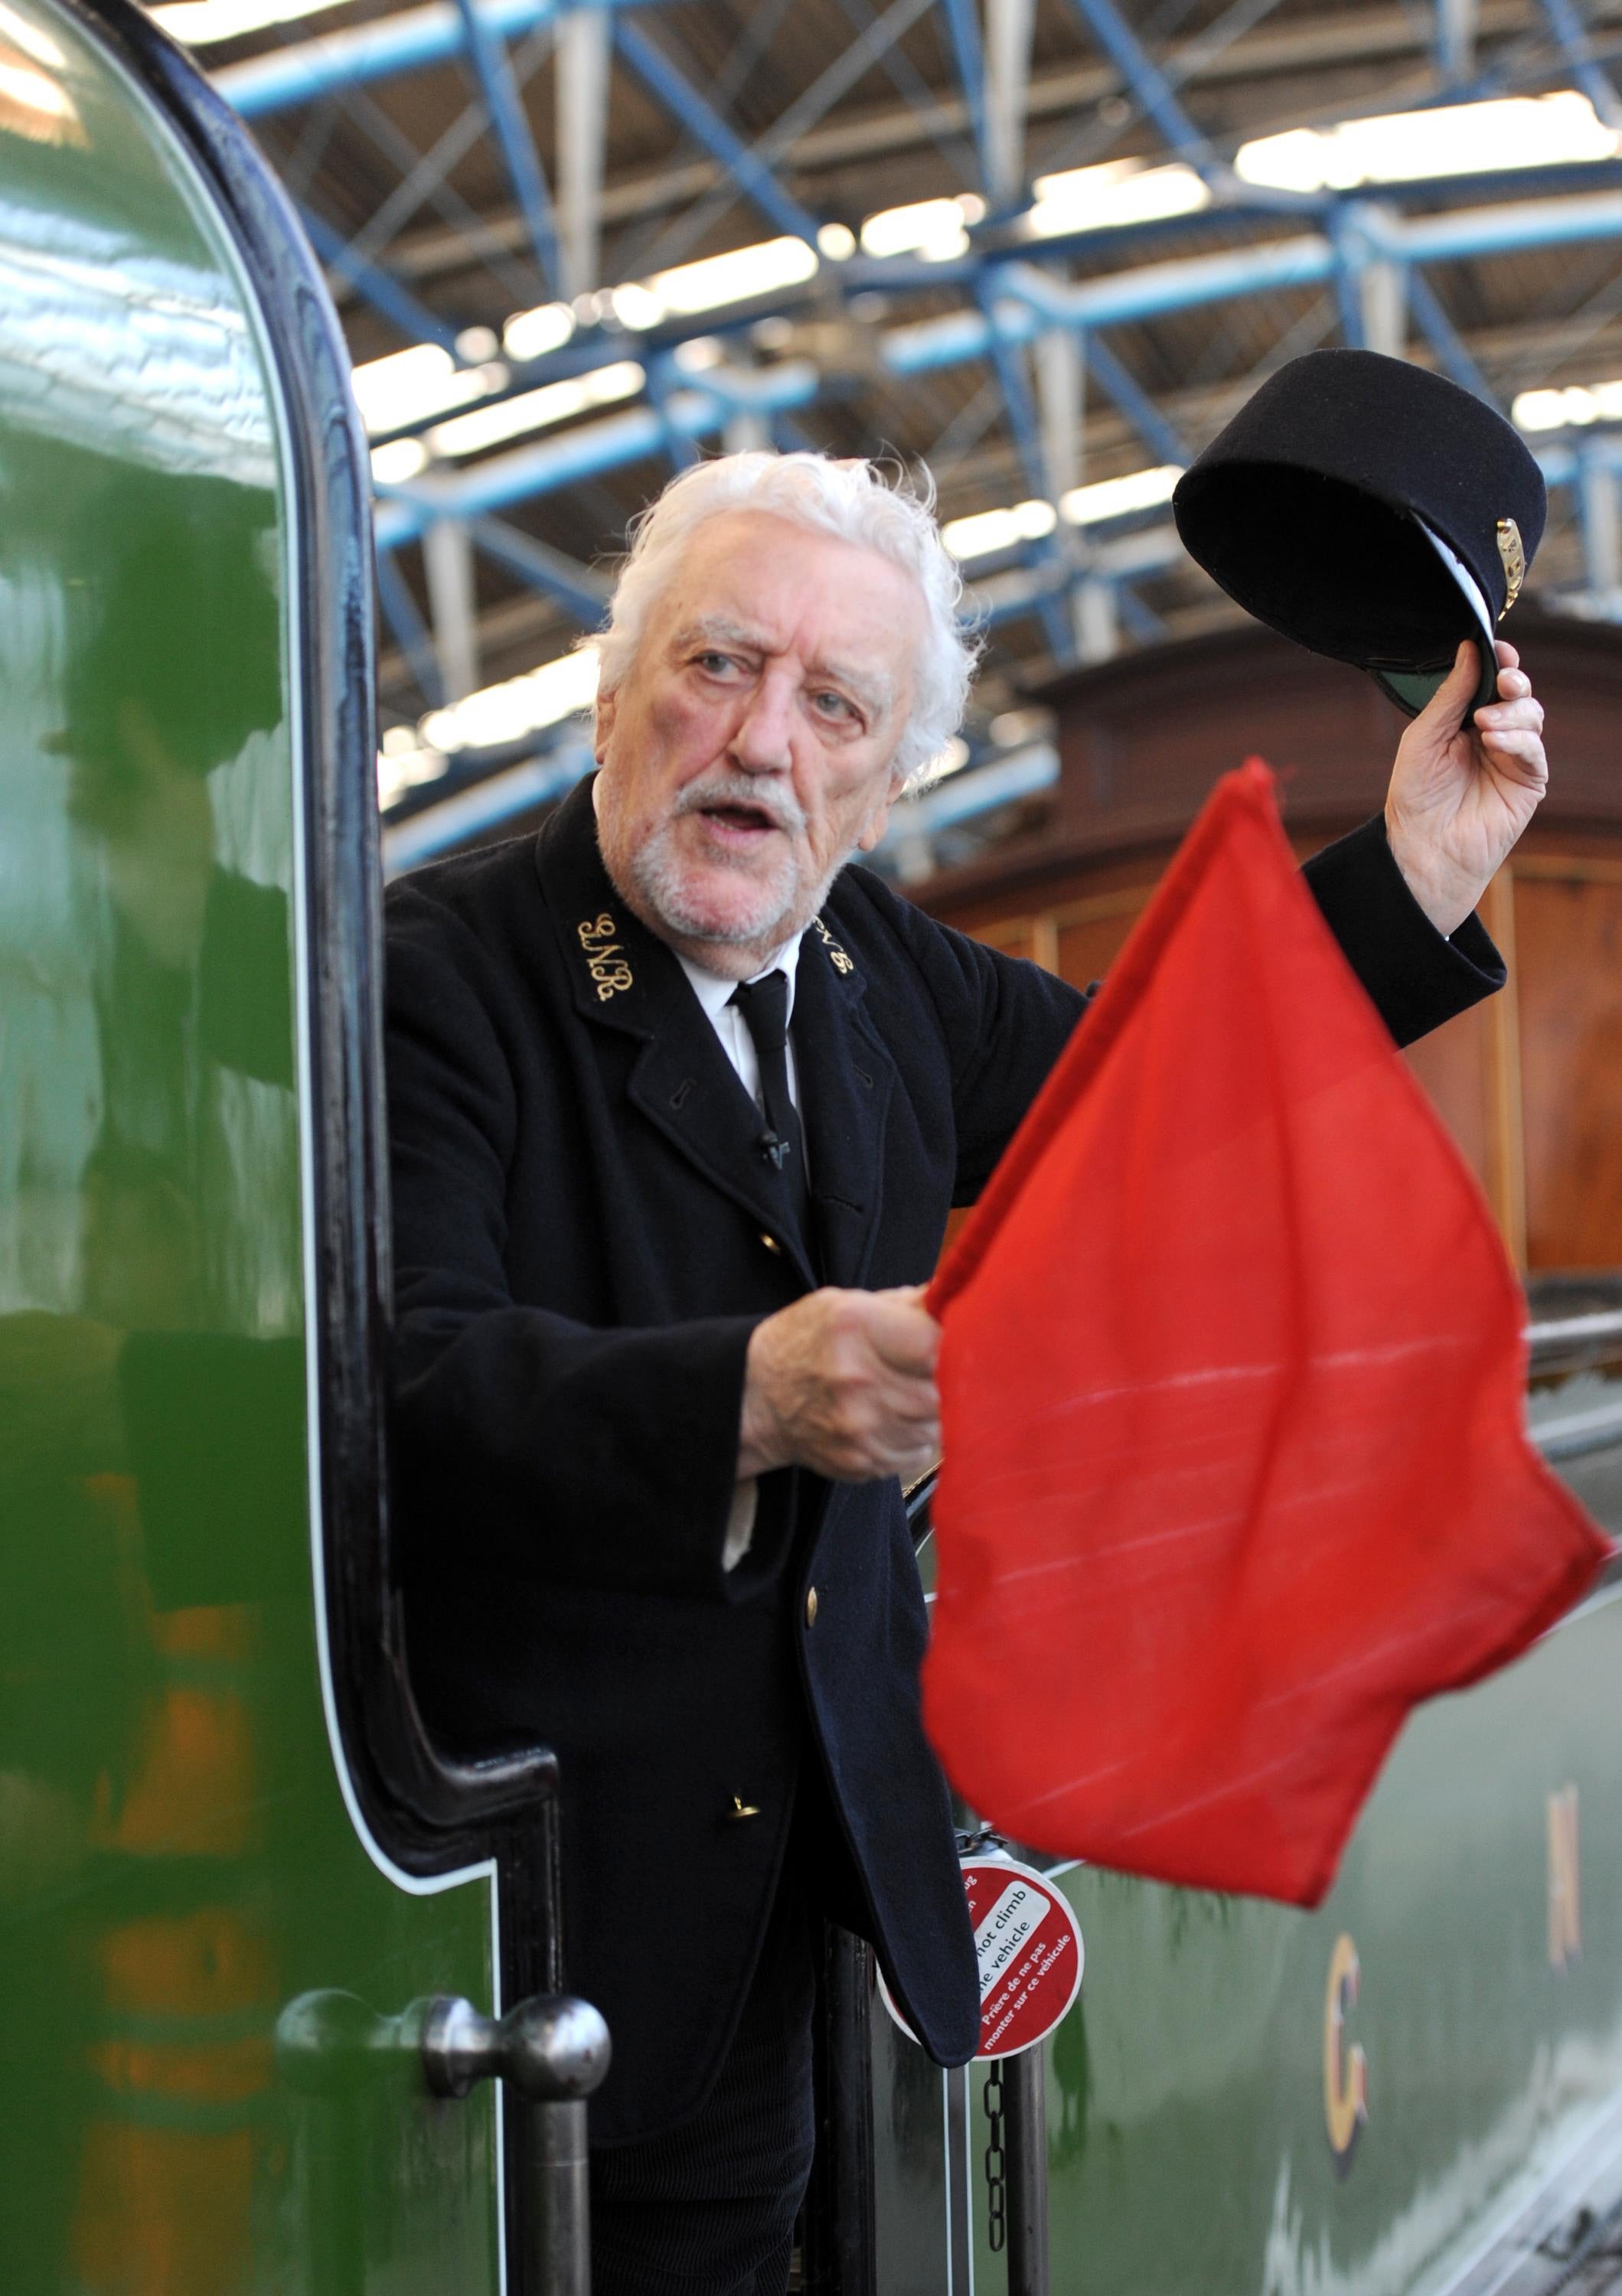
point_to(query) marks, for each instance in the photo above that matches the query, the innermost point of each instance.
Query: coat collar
(623, 978)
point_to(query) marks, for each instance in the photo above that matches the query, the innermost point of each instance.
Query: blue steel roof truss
(486, 54)
(1007, 288)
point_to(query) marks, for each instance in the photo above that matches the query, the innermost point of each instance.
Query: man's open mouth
(734, 820)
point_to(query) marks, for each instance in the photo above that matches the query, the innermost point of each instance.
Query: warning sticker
(1006, 1928)
(1028, 1943)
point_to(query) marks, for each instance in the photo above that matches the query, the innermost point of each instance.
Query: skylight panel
(535, 410)
(1107, 498)
(201, 23)
(531, 334)
(1577, 404)
(410, 386)
(499, 714)
(985, 532)
(936, 229)
(736, 277)
(1462, 139)
(1116, 193)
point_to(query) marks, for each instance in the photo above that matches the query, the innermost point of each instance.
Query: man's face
(748, 752)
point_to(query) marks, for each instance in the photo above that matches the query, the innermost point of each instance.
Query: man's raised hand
(1460, 796)
(843, 1382)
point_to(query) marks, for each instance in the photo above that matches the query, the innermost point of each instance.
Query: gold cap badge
(1512, 551)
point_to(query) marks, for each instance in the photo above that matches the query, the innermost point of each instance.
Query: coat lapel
(846, 1080)
(624, 978)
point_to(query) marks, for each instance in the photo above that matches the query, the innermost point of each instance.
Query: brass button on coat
(741, 1808)
(810, 1606)
(771, 1242)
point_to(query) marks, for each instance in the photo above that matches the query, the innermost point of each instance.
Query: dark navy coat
(586, 1237)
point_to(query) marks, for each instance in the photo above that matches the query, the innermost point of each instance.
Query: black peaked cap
(1305, 509)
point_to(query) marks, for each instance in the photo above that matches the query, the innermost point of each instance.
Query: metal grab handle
(551, 2051)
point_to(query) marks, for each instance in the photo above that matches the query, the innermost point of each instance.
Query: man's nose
(763, 742)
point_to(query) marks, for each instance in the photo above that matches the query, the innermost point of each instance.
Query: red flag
(1231, 1383)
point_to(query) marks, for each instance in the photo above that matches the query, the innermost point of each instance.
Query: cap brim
(1413, 689)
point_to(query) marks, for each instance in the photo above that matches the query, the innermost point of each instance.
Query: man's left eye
(834, 705)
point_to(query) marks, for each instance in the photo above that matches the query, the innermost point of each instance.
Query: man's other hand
(1461, 795)
(843, 1382)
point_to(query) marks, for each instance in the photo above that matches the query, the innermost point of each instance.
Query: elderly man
(680, 1103)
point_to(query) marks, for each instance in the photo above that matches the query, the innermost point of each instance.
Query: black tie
(765, 1006)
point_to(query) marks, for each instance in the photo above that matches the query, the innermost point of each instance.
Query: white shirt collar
(714, 990)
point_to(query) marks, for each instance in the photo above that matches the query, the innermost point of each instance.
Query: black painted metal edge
(838, 2217)
(427, 1813)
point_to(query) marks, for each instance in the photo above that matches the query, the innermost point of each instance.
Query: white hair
(853, 500)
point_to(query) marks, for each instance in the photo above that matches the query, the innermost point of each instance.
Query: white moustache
(742, 789)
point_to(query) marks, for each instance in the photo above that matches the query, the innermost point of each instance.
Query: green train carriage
(264, 1943)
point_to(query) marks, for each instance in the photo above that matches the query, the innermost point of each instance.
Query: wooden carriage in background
(1531, 1082)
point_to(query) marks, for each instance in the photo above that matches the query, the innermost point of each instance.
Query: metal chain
(996, 2225)
(976, 1843)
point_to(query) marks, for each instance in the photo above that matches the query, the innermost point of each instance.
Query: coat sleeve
(604, 1458)
(1005, 1020)
(1415, 978)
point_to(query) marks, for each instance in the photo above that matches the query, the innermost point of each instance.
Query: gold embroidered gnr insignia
(840, 961)
(605, 960)
(1512, 550)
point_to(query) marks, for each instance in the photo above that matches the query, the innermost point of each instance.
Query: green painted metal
(176, 1858)
(1189, 2098)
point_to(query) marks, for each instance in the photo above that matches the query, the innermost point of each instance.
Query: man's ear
(880, 821)
(602, 728)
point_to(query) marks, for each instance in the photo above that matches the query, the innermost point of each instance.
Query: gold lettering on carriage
(605, 960)
(1345, 2072)
(1565, 1881)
